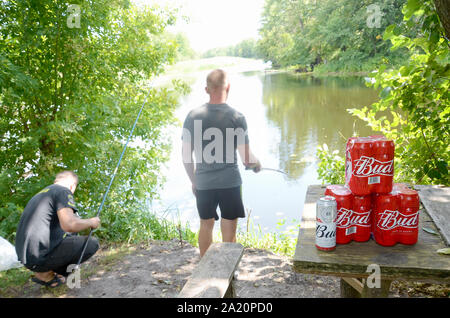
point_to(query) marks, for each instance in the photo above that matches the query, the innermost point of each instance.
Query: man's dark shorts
(66, 253)
(229, 200)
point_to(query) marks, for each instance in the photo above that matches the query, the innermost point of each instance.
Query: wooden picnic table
(419, 262)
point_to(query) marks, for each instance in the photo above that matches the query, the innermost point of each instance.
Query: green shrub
(137, 224)
(280, 242)
(331, 167)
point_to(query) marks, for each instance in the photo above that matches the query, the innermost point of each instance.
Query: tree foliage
(246, 48)
(184, 50)
(69, 96)
(335, 34)
(416, 96)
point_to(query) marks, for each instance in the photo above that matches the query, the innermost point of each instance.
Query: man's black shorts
(229, 200)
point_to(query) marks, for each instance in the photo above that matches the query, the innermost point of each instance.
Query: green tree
(416, 95)
(184, 49)
(334, 34)
(247, 48)
(69, 95)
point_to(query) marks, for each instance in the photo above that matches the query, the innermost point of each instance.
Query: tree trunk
(443, 11)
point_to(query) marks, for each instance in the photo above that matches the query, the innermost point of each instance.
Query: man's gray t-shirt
(214, 132)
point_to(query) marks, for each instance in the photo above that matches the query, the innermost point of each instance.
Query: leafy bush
(331, 166)
(279, 242)
(137, 224)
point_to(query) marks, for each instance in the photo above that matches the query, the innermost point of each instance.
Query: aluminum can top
(326, 209)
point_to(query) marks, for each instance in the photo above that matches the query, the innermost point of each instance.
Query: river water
(288, 117)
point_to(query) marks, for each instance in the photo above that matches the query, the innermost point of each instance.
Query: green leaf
(385, 92)
(443, 167)
(429, 231)
(410, 8)
(444, 251)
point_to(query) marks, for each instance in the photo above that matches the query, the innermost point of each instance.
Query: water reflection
(310, 111)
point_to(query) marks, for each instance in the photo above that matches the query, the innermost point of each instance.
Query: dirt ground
(160, 269)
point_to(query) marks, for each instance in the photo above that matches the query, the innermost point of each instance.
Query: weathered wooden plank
(355, 283)
(347, 290)
(416, 262)
(382, 292)
(212, 276)
(436, 200)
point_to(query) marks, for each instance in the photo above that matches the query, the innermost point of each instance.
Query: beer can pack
(326, 213)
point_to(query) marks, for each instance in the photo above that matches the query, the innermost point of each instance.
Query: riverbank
(159, 269)
(192, 68)
(319, 73)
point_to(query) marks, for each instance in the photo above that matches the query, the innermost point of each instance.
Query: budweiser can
(353, 221)
(397, 217)
(326, 212)
(369, 165)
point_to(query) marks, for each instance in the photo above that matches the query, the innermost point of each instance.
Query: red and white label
(368, 167)
(347, 218)
(390, 220)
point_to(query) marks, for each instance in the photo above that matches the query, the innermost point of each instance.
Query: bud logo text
(368, 166)
(392, 219)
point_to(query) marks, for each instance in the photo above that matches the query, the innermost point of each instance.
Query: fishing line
(269, 169)
(112, 178)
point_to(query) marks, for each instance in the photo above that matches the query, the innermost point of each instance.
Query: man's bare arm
(73, 224)
(188, 161)
(248, 158)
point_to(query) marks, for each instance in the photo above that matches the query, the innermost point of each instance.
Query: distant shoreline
(318, 74)
(194, 68)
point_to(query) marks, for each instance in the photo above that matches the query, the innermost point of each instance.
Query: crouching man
(44, 240)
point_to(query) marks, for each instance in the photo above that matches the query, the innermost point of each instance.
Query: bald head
(68, 179)
(217, 80)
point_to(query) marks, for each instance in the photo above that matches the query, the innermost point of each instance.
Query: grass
(280, 242)
(12, 281)
(17, 282)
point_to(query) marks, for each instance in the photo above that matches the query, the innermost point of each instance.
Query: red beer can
(385, 227)
(397, 217)
(369, 165)
(358, 165)
(362, 210)
(354, 215)
(344, 205)
(409, 211)
(383, 153)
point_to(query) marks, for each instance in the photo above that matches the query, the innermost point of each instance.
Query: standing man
(213, 132)
(44, 243)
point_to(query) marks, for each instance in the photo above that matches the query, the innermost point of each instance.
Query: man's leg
(205, 235)
(231, 208)
(69, 251)
(228, 228)
(49, 276)
(44, 274)
(207, 210)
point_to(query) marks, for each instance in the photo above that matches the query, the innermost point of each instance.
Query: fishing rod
(112, 179)
(268, 169)
(276, 170)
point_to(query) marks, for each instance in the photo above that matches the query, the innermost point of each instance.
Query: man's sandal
(56, 280)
